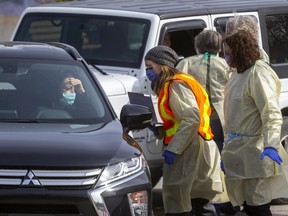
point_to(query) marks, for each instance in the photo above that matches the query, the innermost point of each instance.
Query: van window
(183, 41)
(277, 31)
(181, 36)
(101, 40)
(220, 24)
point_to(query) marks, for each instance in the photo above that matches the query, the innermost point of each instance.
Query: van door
(181, 34)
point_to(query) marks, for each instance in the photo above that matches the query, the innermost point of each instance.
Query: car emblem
(30, 179)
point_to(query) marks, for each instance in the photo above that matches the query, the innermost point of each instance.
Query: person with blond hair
(246, 23)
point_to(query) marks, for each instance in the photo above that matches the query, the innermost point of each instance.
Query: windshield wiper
(21, 120)
(93, 64)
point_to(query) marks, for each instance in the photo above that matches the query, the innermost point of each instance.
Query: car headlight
(121, 170)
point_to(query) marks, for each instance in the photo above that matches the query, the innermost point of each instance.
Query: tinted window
(220, 24)
(277, 31)
(113, 41)
(34, 90)
(182, 41)
(180, 36)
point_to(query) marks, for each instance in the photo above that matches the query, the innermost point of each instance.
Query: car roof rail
(68, 48)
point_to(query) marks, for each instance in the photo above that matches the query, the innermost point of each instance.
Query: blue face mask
(69, 97)
(152, 76)
(228, 59)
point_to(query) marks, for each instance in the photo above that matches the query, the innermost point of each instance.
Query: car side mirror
(135, 117)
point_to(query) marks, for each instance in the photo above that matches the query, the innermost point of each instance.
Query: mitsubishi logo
(30, 179)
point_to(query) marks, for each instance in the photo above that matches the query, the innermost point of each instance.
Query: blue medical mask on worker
(150, 73)
(69, 97)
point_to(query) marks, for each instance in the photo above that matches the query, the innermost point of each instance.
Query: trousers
(261, 210)
(200, 207)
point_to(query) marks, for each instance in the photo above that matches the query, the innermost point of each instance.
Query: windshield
(101, 40)
(49, 91)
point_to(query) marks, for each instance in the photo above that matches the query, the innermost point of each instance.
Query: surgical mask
(69, 97)
(150, 73)
(228, 59)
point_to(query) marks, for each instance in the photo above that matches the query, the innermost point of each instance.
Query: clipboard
(146, 100)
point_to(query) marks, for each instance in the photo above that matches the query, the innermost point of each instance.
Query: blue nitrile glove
(153, 129)
(271, 153)
(169, 157)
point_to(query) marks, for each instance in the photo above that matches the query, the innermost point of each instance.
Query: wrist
(271, 148)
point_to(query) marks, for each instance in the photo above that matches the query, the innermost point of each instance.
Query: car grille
(50, 178)
(36, 209)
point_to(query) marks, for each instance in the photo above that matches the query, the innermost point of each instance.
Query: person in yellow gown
(254, 160)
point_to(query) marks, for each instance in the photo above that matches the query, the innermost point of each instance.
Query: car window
(102, 40)
(33, 90)
(277, 32)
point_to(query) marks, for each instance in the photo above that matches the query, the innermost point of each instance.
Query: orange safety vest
(171, 123)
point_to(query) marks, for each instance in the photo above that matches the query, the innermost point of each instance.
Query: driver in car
(73, 97)
(70, 87)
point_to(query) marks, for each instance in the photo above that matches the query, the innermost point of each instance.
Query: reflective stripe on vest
(171, 124)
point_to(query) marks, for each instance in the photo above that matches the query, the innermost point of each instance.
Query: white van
(113, 37)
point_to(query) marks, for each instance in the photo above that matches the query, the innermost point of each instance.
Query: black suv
(63, 150)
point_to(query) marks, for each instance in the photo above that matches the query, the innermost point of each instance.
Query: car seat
(38, 88)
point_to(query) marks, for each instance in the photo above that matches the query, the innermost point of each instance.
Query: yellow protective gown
(195, 172)
(253, 122)
(219, 72)
(264, 56)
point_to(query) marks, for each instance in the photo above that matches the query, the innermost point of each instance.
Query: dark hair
(244, 50)
(208, 41)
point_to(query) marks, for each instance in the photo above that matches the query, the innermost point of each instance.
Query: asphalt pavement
(277, 210)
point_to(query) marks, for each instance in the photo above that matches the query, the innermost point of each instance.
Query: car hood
(118, 84)
(43, 146)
